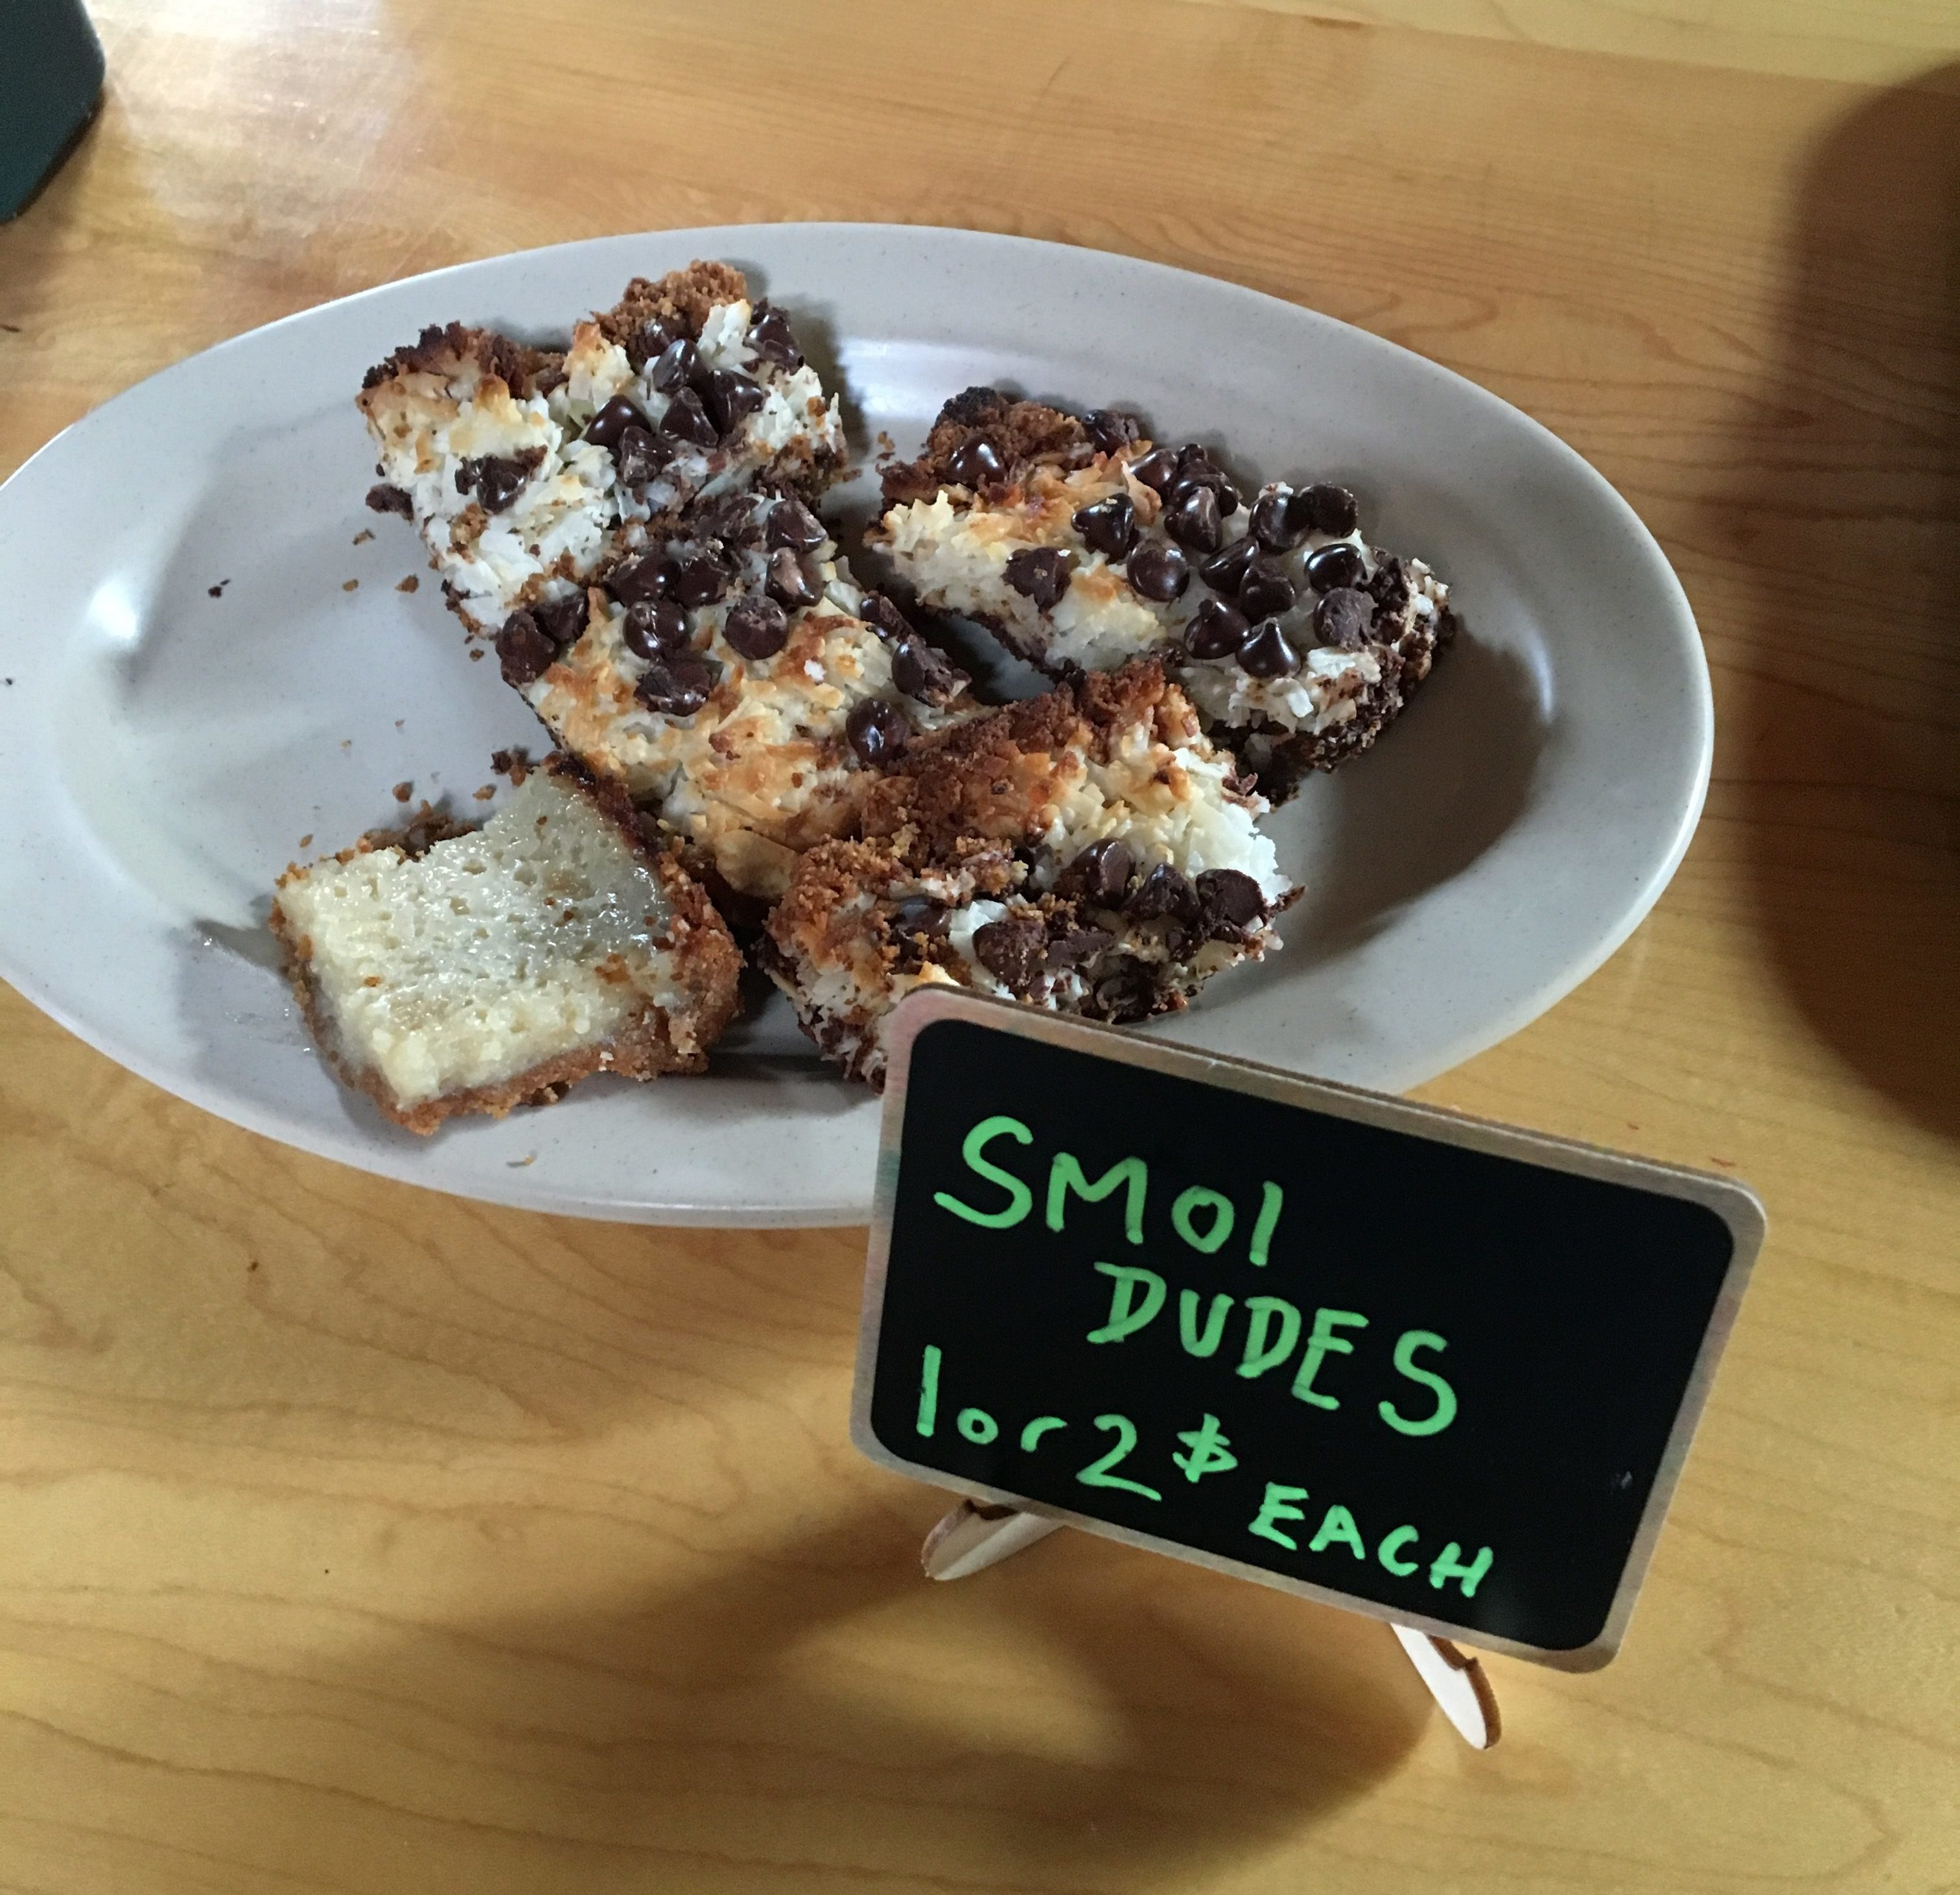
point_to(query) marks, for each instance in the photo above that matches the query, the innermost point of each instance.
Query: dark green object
(50, 83)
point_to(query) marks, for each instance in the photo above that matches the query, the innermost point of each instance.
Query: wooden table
(353, 1538)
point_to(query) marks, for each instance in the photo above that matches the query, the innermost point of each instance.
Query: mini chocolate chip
(1227, 895)
(1225, 572)
(696, 577)
(1078, 945)
(604, 429)
(652, 626)
(387, 498)
(1110, 526)
(1103, 870)
(1158, 468)
(679, 362)
(1039, 573)
(1158, 571)
(1110, 428)
(1333, 508)
(770, 337)
(883, 617)
(1266, 652)
(686, 419)
(920, 915)
(921, 672)
(1277, 524)
(792, 524)
(1342, 617)
(645, 578)
(1194, 520)
(1216, 631)
(976, 463)
(758, 628)
(1013, 949)
(562, 620)
(641, 456)
(497, 479)
(1163, 893)
(729, 397)
(524, 650)
(791, 581)
(1265, 592)
(1338, 565)
(678, 684)
(877, 731)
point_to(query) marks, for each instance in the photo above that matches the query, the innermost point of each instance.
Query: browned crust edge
(441, 346)
(711, 963)
(1022, 433)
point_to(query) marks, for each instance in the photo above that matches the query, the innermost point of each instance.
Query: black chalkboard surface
(1429, 1368)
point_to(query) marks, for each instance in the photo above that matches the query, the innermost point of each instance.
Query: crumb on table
(404, 790)
(363, 536)
(348, 585)
(409, 585)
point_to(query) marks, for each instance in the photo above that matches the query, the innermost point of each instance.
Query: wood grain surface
(355, 1539)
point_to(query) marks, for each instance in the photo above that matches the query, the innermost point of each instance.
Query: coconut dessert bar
(1088, 852)
(733, 677)
(445, 971)
(1082, 544)
(527, 471)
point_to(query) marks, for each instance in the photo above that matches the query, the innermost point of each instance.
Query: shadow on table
(1848, 524)
(1099, 1722)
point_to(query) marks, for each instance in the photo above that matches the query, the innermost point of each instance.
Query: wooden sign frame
(1732, 1202)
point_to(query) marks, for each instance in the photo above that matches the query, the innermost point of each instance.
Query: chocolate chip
(652, 626)
(1225, 572)
(678, 684)
(792, 524)
(1389, 587)
(1265, 592)
(1194, 520)
(1338, 565)
(1039, 573)
(757, 628)
(698, 577)
(921, 672)
(729, 397)
(386, 498)
(562, 620)
(1102, 870)
(1266, 652)
(920, 915)
(524, 650)
(1158, 571)
(654, 335)
(1163, 894)
(1012, 949)
(1277, 523)
(770, 337)
(1078, 945)
(686, 419)
(1127, 993)
(1216, 631)
(1195, 468)
(1341, 618)
(1332, 509)
(1158, 468)
(604, 429)
(1110, 526)
(679, 362)
(791, 581)
(730, 517)
(976, 463)
(645, 578)
(641, 456)
(496, 479)
(877, 731)
(1229, 899)
(883, 617)
(1110, 428)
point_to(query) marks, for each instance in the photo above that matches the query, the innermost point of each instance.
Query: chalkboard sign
(1425, 1368)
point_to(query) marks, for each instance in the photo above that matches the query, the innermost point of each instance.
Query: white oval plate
(168, 750)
